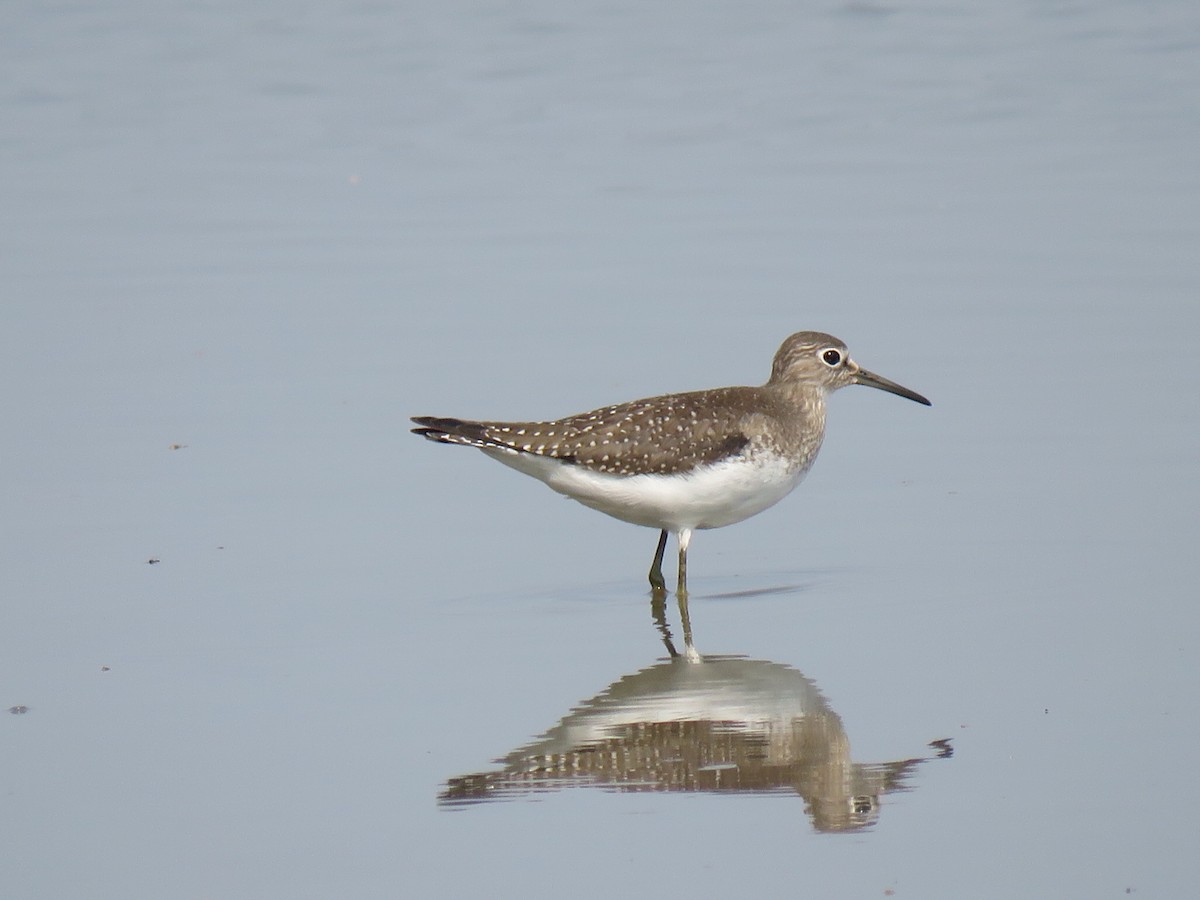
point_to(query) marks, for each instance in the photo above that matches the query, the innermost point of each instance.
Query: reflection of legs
(658, 609)
(656, 575)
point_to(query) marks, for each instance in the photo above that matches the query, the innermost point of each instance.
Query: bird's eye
(832, 358)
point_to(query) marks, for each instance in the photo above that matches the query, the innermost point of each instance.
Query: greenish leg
(685, 537)
(681, 593)
(656, 576)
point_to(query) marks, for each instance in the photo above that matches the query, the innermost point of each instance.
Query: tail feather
(455, 431)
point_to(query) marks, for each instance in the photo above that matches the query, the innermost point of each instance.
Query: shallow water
(260, 641)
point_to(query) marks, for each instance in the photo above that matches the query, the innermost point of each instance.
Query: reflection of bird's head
(844, 814)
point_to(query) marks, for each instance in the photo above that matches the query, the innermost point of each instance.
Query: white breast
(710, 496)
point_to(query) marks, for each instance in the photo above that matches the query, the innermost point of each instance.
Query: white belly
(708, 497)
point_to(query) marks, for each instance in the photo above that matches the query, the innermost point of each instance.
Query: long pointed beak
(870, 379)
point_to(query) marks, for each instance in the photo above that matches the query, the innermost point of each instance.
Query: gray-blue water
(261, 642)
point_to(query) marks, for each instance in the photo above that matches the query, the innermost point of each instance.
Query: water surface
(241, 244)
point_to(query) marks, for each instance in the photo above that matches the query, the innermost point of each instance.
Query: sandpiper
(682, 462)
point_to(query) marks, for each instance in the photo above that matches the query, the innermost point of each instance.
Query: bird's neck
(808, 401)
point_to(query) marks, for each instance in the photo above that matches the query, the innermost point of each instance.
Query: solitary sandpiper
(680, 462)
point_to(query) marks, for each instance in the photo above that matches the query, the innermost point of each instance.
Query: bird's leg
(690, 653)
(682, 595)
(681, 592)
(685, 537)
(656, 576)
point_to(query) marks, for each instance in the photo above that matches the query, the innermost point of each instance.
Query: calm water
(258, 641)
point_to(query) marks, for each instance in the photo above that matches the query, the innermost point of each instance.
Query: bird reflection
(720, 724)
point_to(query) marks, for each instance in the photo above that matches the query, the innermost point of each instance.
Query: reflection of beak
(870, 379)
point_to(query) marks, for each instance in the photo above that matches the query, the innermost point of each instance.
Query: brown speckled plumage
(674, 433)
(666, 435)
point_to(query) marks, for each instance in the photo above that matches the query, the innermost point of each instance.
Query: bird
(687, 461)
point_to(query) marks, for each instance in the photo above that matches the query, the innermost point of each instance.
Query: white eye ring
(832, 357)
